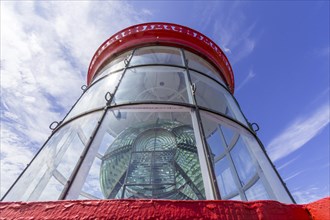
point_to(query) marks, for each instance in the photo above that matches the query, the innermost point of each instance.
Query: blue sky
(279, 52)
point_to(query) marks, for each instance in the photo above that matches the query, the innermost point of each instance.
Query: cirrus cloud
(45, 51)
(299, 133)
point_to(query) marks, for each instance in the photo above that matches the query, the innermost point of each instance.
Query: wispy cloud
(230, 30)
(297, 134)
(45, 52)
(324, 51)
(250, 76)
(325, 94)
(309, 194)
(294, 175)
(288, 163)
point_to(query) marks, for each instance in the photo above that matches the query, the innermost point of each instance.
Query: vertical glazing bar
(70, 192)
(277, 184)
(229, 147)
(210, 181)
(83, 171)
(236, 177)
(260, 172)
(73, 175)
(186, 78)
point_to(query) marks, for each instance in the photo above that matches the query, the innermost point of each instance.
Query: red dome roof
(167, 34)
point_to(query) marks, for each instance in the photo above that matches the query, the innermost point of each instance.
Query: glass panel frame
(225, 178)
(211, 95)
(114, 65)
(244, 164)
(153, 83)
(157, 55)
(197, 63)
(257, 192)
(43, 172)
(242, 136)
(117, 128)
(94, 96)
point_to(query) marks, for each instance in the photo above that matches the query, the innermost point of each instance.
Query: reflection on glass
(46, 176)
(238, 198)
(94, 97)
(243, 162)
(116, 63)
(225, 178)
(153, 83)
(215, 141)
(236, 168)
(52, 191)
(32, 190)
(233, 109)
(157, 55)
(228, 134)
(197, 63)
(211, 95)
(150, 153)
(106, 141)
(257, 192)
(91, 188)
(67, 156)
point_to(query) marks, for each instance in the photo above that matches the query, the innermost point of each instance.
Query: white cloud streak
(309, 194)
(250, 76)
(288, 163)
(45, 51)
(299, 133)
(231, 30)
(293, 175)
(325, 51)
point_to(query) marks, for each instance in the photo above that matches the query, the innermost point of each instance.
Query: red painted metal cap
(167, 34)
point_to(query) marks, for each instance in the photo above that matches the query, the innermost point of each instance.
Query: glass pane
(237, 198)
(233, 109)
(55, 162)
(106, 142)
(157, 55)
(275, 188)
(199, 64)
(247, 156)
(215, 142)
(257, 192)
(211, 95)
(153, 83)
(225, 178)
(213, 136)
(31, 191)
(115, 64)
(150, 152)
(52, 191)
(94, 97)
(91, 187)
(67, 156)
(228, 134)
(243, 162)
